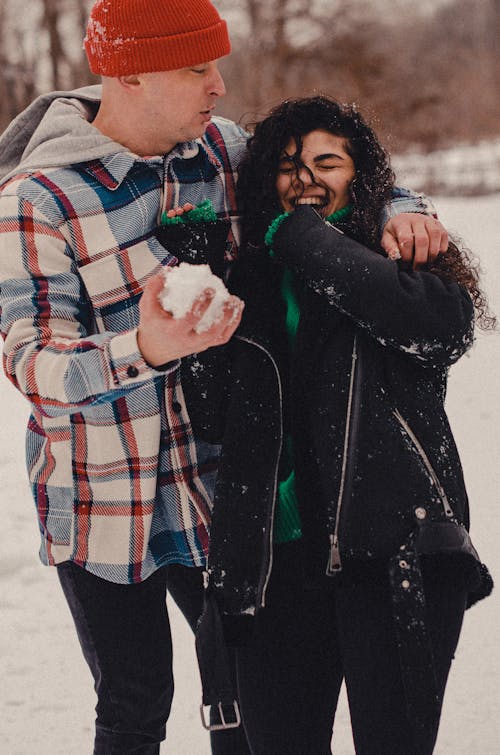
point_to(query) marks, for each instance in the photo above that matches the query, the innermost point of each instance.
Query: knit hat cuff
(122, 57)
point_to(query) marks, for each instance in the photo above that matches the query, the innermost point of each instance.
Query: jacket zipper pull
(334, 563)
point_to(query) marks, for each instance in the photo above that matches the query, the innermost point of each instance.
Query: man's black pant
(124, 632)
(308, 641)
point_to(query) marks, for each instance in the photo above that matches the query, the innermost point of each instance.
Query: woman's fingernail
(394, 254)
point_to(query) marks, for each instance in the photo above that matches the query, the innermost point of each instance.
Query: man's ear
(130, 81)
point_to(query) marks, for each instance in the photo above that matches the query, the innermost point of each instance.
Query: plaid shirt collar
(112, 170)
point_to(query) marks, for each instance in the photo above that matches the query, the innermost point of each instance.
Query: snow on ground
(466, 169)
(46, 694)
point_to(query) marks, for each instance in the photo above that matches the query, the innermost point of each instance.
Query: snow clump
(186, 283)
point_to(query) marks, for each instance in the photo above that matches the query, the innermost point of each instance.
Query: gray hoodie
(55, 130)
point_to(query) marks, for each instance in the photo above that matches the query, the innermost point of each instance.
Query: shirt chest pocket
(114, 283)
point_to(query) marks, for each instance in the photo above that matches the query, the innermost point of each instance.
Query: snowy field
(463, 170)
(46, 693)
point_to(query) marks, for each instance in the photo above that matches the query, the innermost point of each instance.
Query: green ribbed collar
(335, 217)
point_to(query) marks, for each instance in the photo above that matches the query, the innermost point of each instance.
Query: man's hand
(414, 237)
(162, 338)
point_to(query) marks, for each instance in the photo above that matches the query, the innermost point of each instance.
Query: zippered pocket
(426, 462)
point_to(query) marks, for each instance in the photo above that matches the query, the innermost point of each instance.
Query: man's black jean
(124, 632)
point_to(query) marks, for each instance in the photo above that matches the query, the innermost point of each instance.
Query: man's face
(177, 105)
(320, 175)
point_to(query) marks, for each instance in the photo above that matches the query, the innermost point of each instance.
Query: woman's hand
(177, 211)
(414, 237)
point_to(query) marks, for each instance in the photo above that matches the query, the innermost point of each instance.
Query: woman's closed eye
(286, 166)
(327, 166)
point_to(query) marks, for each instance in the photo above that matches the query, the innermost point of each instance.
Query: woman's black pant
(307, 641)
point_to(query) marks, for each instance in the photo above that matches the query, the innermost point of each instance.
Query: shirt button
(132, 371)
(176, 407)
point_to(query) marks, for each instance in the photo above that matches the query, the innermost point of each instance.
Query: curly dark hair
(370, 189)
(293, 119)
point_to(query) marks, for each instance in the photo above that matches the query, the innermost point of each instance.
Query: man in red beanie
(122, 482)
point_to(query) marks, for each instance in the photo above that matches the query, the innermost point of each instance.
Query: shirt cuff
(128, 366)
(406, 201)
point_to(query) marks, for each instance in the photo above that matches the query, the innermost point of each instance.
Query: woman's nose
(304, 176)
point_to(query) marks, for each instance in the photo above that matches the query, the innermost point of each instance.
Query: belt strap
(215, 671)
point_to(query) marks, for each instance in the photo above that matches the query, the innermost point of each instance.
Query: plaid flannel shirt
(120, 484)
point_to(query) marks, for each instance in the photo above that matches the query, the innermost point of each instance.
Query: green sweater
(287, 525)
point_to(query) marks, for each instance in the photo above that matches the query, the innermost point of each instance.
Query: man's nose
(216, 84)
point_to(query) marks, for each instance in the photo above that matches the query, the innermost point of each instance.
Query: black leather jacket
(363, 396)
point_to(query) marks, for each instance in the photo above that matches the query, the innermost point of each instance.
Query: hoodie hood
(55, 131)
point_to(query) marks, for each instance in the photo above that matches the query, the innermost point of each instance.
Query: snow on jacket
(363, 396)
(120, 483)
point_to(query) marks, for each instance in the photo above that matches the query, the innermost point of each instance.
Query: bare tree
(275, 48)
(17, 79)
(67, 59)
(428, 80)
(80, 73)
(57, 56)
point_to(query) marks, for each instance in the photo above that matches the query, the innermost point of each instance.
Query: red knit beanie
(142, 36)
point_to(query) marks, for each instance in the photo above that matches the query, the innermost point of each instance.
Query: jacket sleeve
(415, 312)
(52, 353)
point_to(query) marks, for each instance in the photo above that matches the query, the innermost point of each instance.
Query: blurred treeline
(428, 79)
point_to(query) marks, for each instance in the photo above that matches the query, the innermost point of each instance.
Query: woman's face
(320, 176)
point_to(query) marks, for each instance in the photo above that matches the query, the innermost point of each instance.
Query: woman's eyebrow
(285, 157)
(326, 156)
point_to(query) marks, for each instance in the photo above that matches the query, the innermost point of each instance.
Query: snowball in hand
(184, 284)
